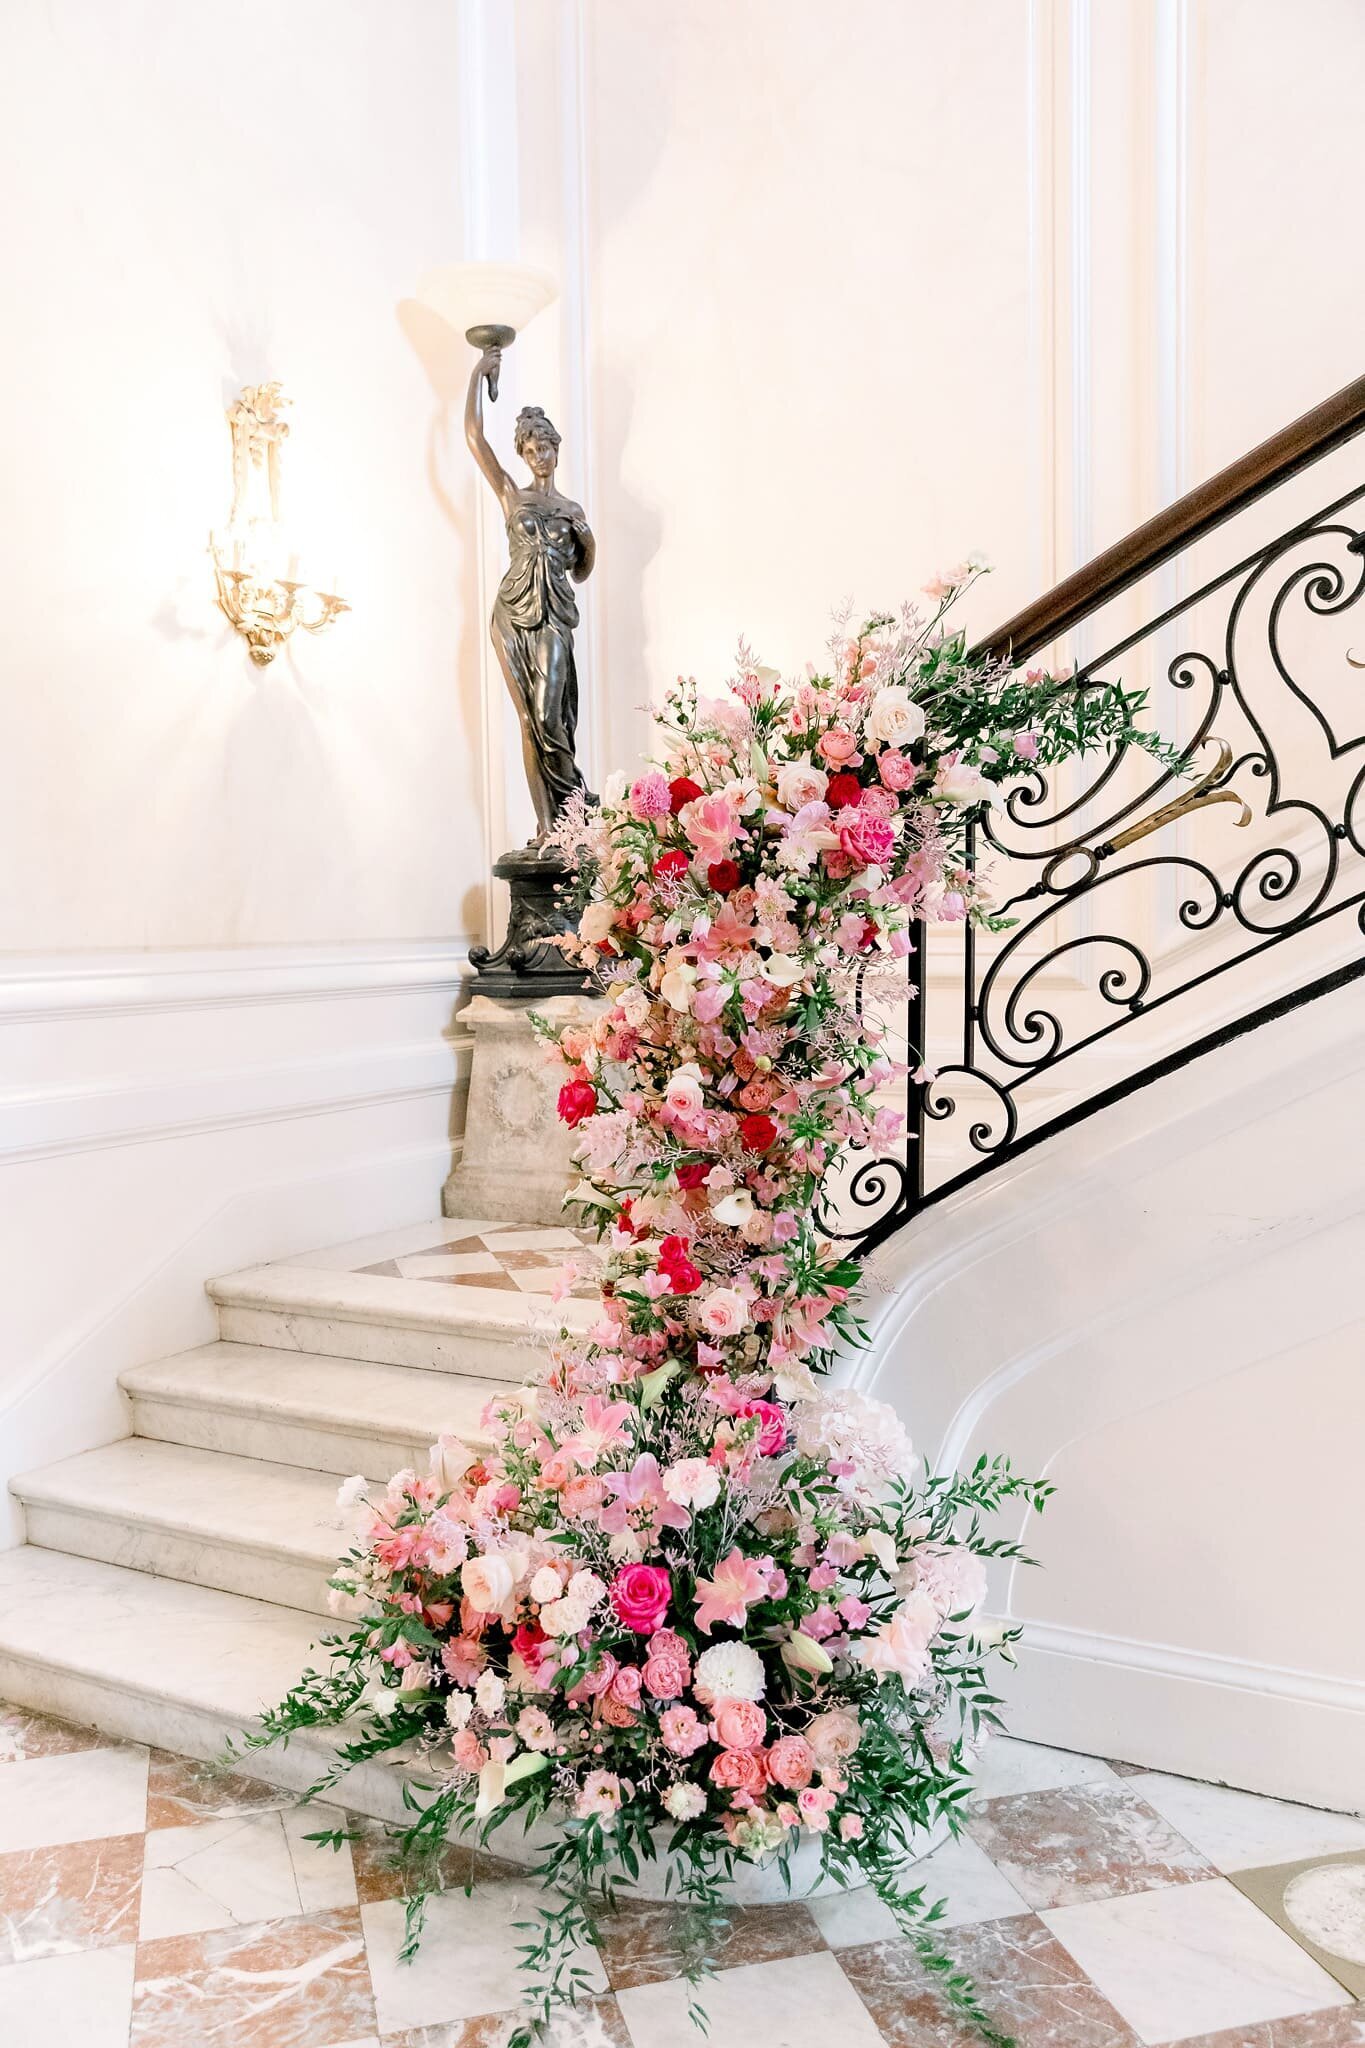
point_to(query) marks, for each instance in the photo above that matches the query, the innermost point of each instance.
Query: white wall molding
(45, 988)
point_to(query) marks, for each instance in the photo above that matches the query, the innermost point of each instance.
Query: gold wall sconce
(260, 591)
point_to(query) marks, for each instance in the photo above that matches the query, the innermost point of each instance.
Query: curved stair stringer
(1160, 1310)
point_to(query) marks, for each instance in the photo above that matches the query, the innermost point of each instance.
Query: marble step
(186, 1668)
(335, 1415)
(240, 1525)
(394, 1320)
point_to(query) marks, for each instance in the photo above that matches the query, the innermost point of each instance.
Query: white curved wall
(1161, 1312)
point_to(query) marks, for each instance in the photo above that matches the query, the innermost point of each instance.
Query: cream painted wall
(200, 198)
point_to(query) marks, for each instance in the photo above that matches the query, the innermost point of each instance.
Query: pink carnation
(680, 1731)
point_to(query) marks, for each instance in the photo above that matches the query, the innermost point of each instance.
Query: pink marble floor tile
(639, 1944)
(24, 1736)
(596, 2023)
(380, 1874)
(1082, 1842)
(301, 1983)
(80, 1895)
(181, 1790)
(1033, 1991)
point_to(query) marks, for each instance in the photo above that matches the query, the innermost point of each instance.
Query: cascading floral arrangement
(693, 1604)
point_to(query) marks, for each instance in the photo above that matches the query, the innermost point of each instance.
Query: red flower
(577, 1100)
(756, 1133)
(843, 788)
(529, 1643)
(683, 790)
(679, 1271)
(693, 1174)
(674, 862)
(723, 875)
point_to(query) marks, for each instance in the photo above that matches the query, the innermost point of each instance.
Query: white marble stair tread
(340, 1415)
(411, 1304)
(152, 1660)
(240, 1524)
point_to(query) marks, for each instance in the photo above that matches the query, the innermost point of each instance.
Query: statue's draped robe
(534, 617)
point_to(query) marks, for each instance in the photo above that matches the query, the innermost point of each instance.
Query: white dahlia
(729, 1671)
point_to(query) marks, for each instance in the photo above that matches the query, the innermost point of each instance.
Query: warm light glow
(261, 590)
(474, 294)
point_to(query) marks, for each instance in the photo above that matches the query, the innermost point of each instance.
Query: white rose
(894, 718)
(597, 922)
(734, 1209)
(487, 1582)
(723, 1313)
(684, 1089)
(800, 783)
(546, 1585)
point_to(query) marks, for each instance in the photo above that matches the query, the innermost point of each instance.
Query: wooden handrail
(1336, 420)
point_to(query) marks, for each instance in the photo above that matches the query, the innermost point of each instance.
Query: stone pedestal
(515, 1165)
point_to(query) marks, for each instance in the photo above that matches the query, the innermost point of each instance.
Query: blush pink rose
(667, 1665)
(838, 746)
(739, 1724)
(895, 771)
(680, 1731)
(791, 1763)
(740, 1770)
(640, 1595)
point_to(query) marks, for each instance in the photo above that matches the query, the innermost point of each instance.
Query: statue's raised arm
(486, 374)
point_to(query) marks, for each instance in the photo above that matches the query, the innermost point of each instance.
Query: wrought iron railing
(1157, 911)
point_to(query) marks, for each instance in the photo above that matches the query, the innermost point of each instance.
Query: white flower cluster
(846, 1427)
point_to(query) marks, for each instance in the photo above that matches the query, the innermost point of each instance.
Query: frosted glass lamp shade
(486, 294)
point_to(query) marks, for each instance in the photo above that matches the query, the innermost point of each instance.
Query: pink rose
(895, 771)
(640, 1595)
(838, 745)
(772, 1434)
(813, 1805)
(680, 1731)
(595, 1682)
(740, 1770)
(791, 1763)
(1026, 746)
(667, 1665)
(851, 1827)
(739, 1724)
(865, 838)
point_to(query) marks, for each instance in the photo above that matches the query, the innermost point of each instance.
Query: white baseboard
(1294, 1734)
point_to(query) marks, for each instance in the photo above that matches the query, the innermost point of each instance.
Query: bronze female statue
(551, 548)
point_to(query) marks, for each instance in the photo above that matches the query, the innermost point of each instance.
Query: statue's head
(537, 442)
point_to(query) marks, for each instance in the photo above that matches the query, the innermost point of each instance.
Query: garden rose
(577, 1100)
(723, 876)
(488, 1582)
(667, 1666)
(724, 1312)
(844, 788)
(682, 790)
(791, 1763)
(896, 772)
(639, 1596)
(772, 1435)
(739, 1724)
(739, 1770)
(800, 783)
(894, 718)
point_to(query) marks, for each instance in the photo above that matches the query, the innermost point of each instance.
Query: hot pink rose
(740, 1770)
(865, 838)
(680, 1731)
(772, 1435)
(640, 1595)
(739, 1724)
(791, 1763)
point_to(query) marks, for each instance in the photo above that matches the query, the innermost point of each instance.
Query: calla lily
(653, 1383)
(802, 1653)
(496, 1780)
(882, 1548)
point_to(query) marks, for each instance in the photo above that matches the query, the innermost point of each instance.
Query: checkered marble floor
(147, 1903)
(510, 1258)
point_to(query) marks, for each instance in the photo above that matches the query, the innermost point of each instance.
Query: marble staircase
(175, 1582)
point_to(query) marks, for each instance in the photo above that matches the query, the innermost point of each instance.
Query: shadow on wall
(628, 551)
(446, 358)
